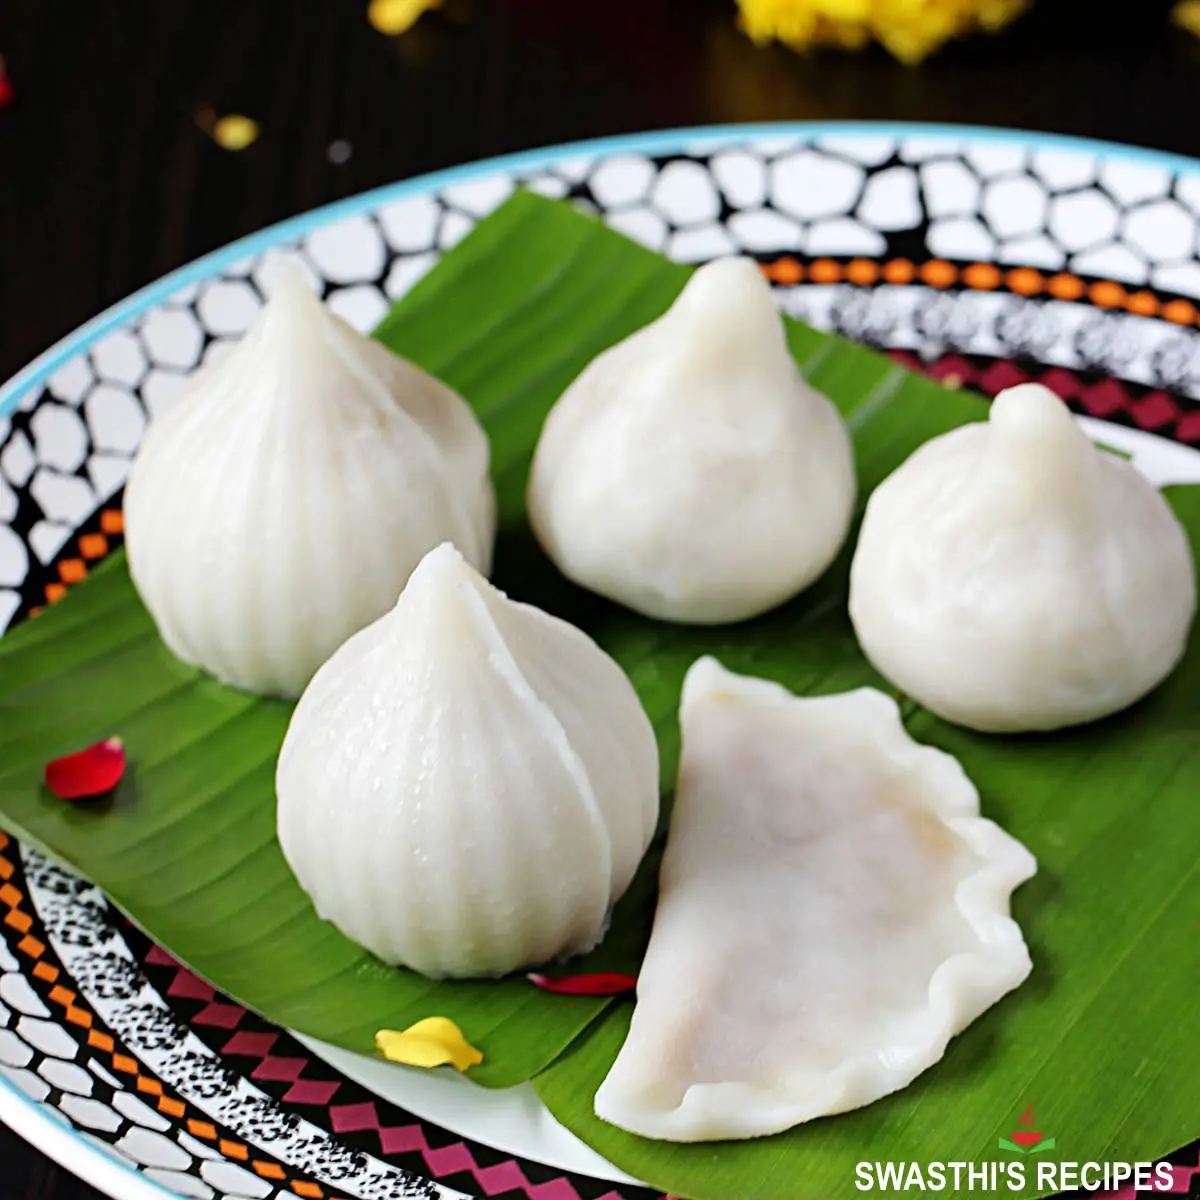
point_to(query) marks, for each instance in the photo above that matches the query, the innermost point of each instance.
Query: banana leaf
(1100, 1039)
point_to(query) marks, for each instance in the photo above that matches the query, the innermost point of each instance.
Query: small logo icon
(1025, 1138)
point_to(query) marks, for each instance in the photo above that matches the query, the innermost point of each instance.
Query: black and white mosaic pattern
(45, 1061)
(67, 442)
(85, 934)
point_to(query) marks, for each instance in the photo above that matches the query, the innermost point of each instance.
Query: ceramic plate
(981, 257)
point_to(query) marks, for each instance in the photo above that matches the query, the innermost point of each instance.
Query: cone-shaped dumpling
(1010, 576)
(690, 472)
(832, 910)
(469, 784)
(279, 505)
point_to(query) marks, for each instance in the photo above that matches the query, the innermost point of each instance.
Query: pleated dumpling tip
(468, 785)
(281, 502)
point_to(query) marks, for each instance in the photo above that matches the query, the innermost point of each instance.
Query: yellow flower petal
(433, 1042)
(398, 16)
(1186, 14)
(235, 132)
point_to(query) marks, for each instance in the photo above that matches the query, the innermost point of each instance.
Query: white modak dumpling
(469, 784)
(690, 473)
(281, 502)
(832, 911)
(1011, 576)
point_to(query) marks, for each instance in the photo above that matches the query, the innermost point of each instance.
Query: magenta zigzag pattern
(217, 1012)
(450, 1160)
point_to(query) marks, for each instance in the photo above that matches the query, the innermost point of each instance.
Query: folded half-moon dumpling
(832, 911)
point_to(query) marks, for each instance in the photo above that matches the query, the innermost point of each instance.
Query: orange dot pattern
(89, 549)
(93, 545)
(16, 916)
(982, 277)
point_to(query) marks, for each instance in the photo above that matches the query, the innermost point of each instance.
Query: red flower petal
(90, 772)
(611, 984)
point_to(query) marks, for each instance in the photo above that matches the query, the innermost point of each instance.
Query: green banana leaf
(1102, 1038)
(1099, 1039)
(186, 846)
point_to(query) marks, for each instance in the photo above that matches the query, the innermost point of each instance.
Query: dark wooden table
(106, 182)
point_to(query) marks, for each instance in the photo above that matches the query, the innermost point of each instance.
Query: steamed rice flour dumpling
(281, 502)
(690, 472)
(833, 909)
(469, 784)
(1012, 576)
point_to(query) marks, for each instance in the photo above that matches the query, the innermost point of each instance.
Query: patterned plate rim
(662, 142)
(39, 1126)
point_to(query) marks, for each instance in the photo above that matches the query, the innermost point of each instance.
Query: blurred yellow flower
(235, 132)
(398, 16)
(909, 29)
(1186, 14)
(231, 132)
